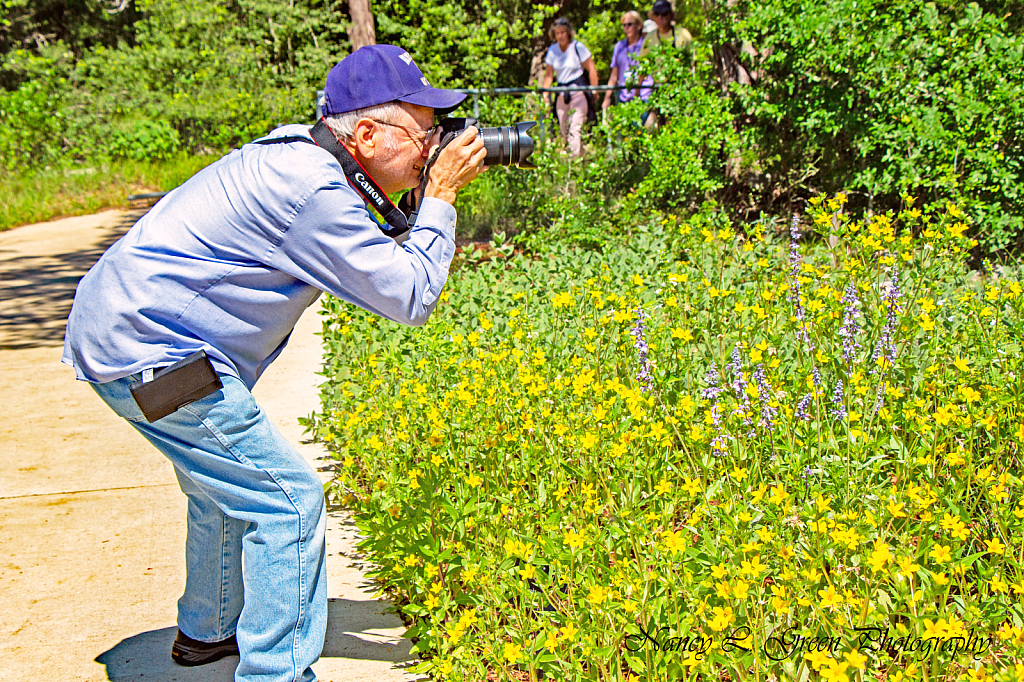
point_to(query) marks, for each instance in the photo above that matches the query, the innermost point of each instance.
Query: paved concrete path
(92, 524)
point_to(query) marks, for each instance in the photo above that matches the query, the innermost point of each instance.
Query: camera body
(505, 145)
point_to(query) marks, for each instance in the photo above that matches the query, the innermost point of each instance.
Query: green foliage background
(869, 97)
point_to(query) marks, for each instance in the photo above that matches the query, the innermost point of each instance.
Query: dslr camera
(505, 145)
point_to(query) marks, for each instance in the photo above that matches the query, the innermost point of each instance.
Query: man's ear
(363, 137)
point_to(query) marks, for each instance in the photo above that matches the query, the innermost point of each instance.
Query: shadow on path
(37, 291)
(352, 632)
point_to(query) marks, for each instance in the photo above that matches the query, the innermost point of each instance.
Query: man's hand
(457, 165)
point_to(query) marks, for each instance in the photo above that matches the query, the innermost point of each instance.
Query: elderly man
(175, 323)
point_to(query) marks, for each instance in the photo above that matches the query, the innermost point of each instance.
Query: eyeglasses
(628, 23)
(426, 134)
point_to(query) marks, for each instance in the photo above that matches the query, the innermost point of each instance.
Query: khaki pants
(571, 118)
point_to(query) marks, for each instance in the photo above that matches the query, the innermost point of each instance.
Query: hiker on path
(570, 61)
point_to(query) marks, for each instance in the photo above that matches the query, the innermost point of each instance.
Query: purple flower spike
(838, 402)
(851, 328)
(802, 413)
(739, 386)
(886, 348)
(802, 328)
(711, 379)
(643, 377)
(768, 412)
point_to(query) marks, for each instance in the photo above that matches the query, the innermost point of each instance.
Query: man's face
(402, 147)
(664, 21)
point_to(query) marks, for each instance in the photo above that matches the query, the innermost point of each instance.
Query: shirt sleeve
(334, 245)
(584, 53)
(549, 57)
(617, 58)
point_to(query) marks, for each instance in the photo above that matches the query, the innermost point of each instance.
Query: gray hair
(344, 125)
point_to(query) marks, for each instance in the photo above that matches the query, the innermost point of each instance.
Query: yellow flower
(969, 394)
(896, 509)
(962, 365)
(940, 553)
(723, 615)
(674, 541)
(995, 546)
(998, 584)
(718, 571)
(830, 598)
(856, 659)
(691, 661)
(680, 333)
(817, 659)
(753, 567)
(778, 495)
(562, 300)
(978, 675)
(573, 539)
(880, 556)
(569, 631)
(834, 671)
(691, 485)
(512, 652)
(598, 595)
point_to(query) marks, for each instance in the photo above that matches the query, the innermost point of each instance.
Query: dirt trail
(92, 524)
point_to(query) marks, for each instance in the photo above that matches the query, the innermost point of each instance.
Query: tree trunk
(361, 31)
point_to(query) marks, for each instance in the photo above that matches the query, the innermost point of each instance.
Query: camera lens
(508, 145)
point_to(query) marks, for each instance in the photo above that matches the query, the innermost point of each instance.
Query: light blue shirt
(229, 261)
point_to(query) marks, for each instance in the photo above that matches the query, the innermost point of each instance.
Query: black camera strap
(357, 176)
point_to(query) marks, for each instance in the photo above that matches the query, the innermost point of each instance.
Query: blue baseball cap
(377, 74)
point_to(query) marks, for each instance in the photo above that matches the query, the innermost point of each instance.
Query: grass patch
(45, 194)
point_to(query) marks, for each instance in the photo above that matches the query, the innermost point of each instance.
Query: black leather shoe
(188, 652)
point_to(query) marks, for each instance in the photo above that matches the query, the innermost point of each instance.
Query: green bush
(31, 125)
(882, 97)
(140, 140)
(688, 157)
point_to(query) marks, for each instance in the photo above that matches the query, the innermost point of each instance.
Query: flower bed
(740, 456)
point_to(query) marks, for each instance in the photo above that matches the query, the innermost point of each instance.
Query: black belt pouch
(175, 386)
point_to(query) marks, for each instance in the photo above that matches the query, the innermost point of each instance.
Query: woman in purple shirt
(624, 61)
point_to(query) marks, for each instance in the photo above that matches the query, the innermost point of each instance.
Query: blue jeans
(256, 519)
